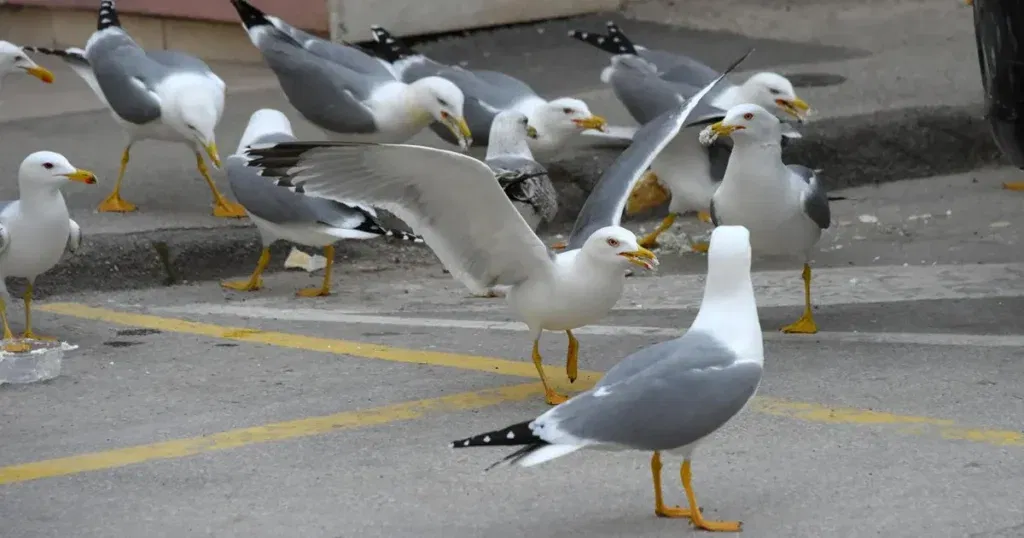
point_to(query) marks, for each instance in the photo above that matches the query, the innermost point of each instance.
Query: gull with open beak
(35, 230)
(648, 82)
(154, 95)
(454, 202)
(784, 207)
(14, 60)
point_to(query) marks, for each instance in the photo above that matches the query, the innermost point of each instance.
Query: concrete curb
(853, 151)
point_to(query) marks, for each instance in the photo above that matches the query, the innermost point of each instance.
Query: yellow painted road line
(279, 431)
(314, 343)
(807, 412)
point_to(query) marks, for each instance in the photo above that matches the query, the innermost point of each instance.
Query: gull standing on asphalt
(668, 397)
(281, 214)
(153, 95)
(784, 207)
(35, 230)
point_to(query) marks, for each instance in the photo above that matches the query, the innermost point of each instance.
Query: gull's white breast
(571, 297)
(38, 239)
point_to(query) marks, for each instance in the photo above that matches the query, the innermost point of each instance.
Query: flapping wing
(450, 199)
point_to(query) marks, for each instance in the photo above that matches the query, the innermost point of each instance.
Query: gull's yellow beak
(459, 128)
(642, 257)
(593, 122)
(798, 108)
(40, 73)
(531, 132)
(211, 150)
(82, 176)
(723, 129)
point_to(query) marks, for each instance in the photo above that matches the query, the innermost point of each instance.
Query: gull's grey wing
(458, 208)
(327, 94)
(687, 389)
(125, 75)
(686, 70)
(605, 204)
(815, 197)
(638, 88)
(74, 237)
(510, 84)
(694, 349)
(282, 206)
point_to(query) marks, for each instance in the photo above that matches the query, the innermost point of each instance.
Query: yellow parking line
(312, 343)
(179, 448)
(808, 412)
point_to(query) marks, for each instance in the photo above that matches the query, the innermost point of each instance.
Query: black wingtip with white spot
(107, 16)
(251, 16)
(388, 47)
(614, 43)
(514, 435)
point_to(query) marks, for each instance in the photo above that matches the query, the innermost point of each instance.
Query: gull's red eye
(47, 165)
(613, 242)
(748, 116)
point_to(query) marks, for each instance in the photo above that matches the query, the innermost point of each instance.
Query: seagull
(280, 214)
(647, 82)
(488, 93)
(348, 94)
(454, 202)
(784, 207)
(668, 397)
(605, 204)
(153, 95)
(35, 230)
(13, 59)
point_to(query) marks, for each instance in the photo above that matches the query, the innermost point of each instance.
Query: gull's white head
(14, 59)
(509, 133)
(263, 122)
(193, 107)
(748, 124)
(729, 252)
(775, 92)
(561, 118)
(46, 169)
(729, 307)
(618, 246)
(443, 100)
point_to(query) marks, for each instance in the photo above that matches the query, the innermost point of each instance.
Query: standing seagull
(667, 397)
(35, 230)
(347, 93)
(647, 82)
(490, 92)
(281, 214)
(154, 95)
(784, 207)
(13, 59)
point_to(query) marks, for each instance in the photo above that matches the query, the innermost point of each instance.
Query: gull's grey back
(663, 397)
(118, 62)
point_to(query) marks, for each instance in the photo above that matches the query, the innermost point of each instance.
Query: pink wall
(306, 14)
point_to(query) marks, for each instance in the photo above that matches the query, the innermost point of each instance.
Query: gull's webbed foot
(804, 325)
(704, 216)
(17, 347)
(252, 284)
(228, 210)
(1014, 186)
(317, 291)
(700, 246)
(554, 398)
(115, 204)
